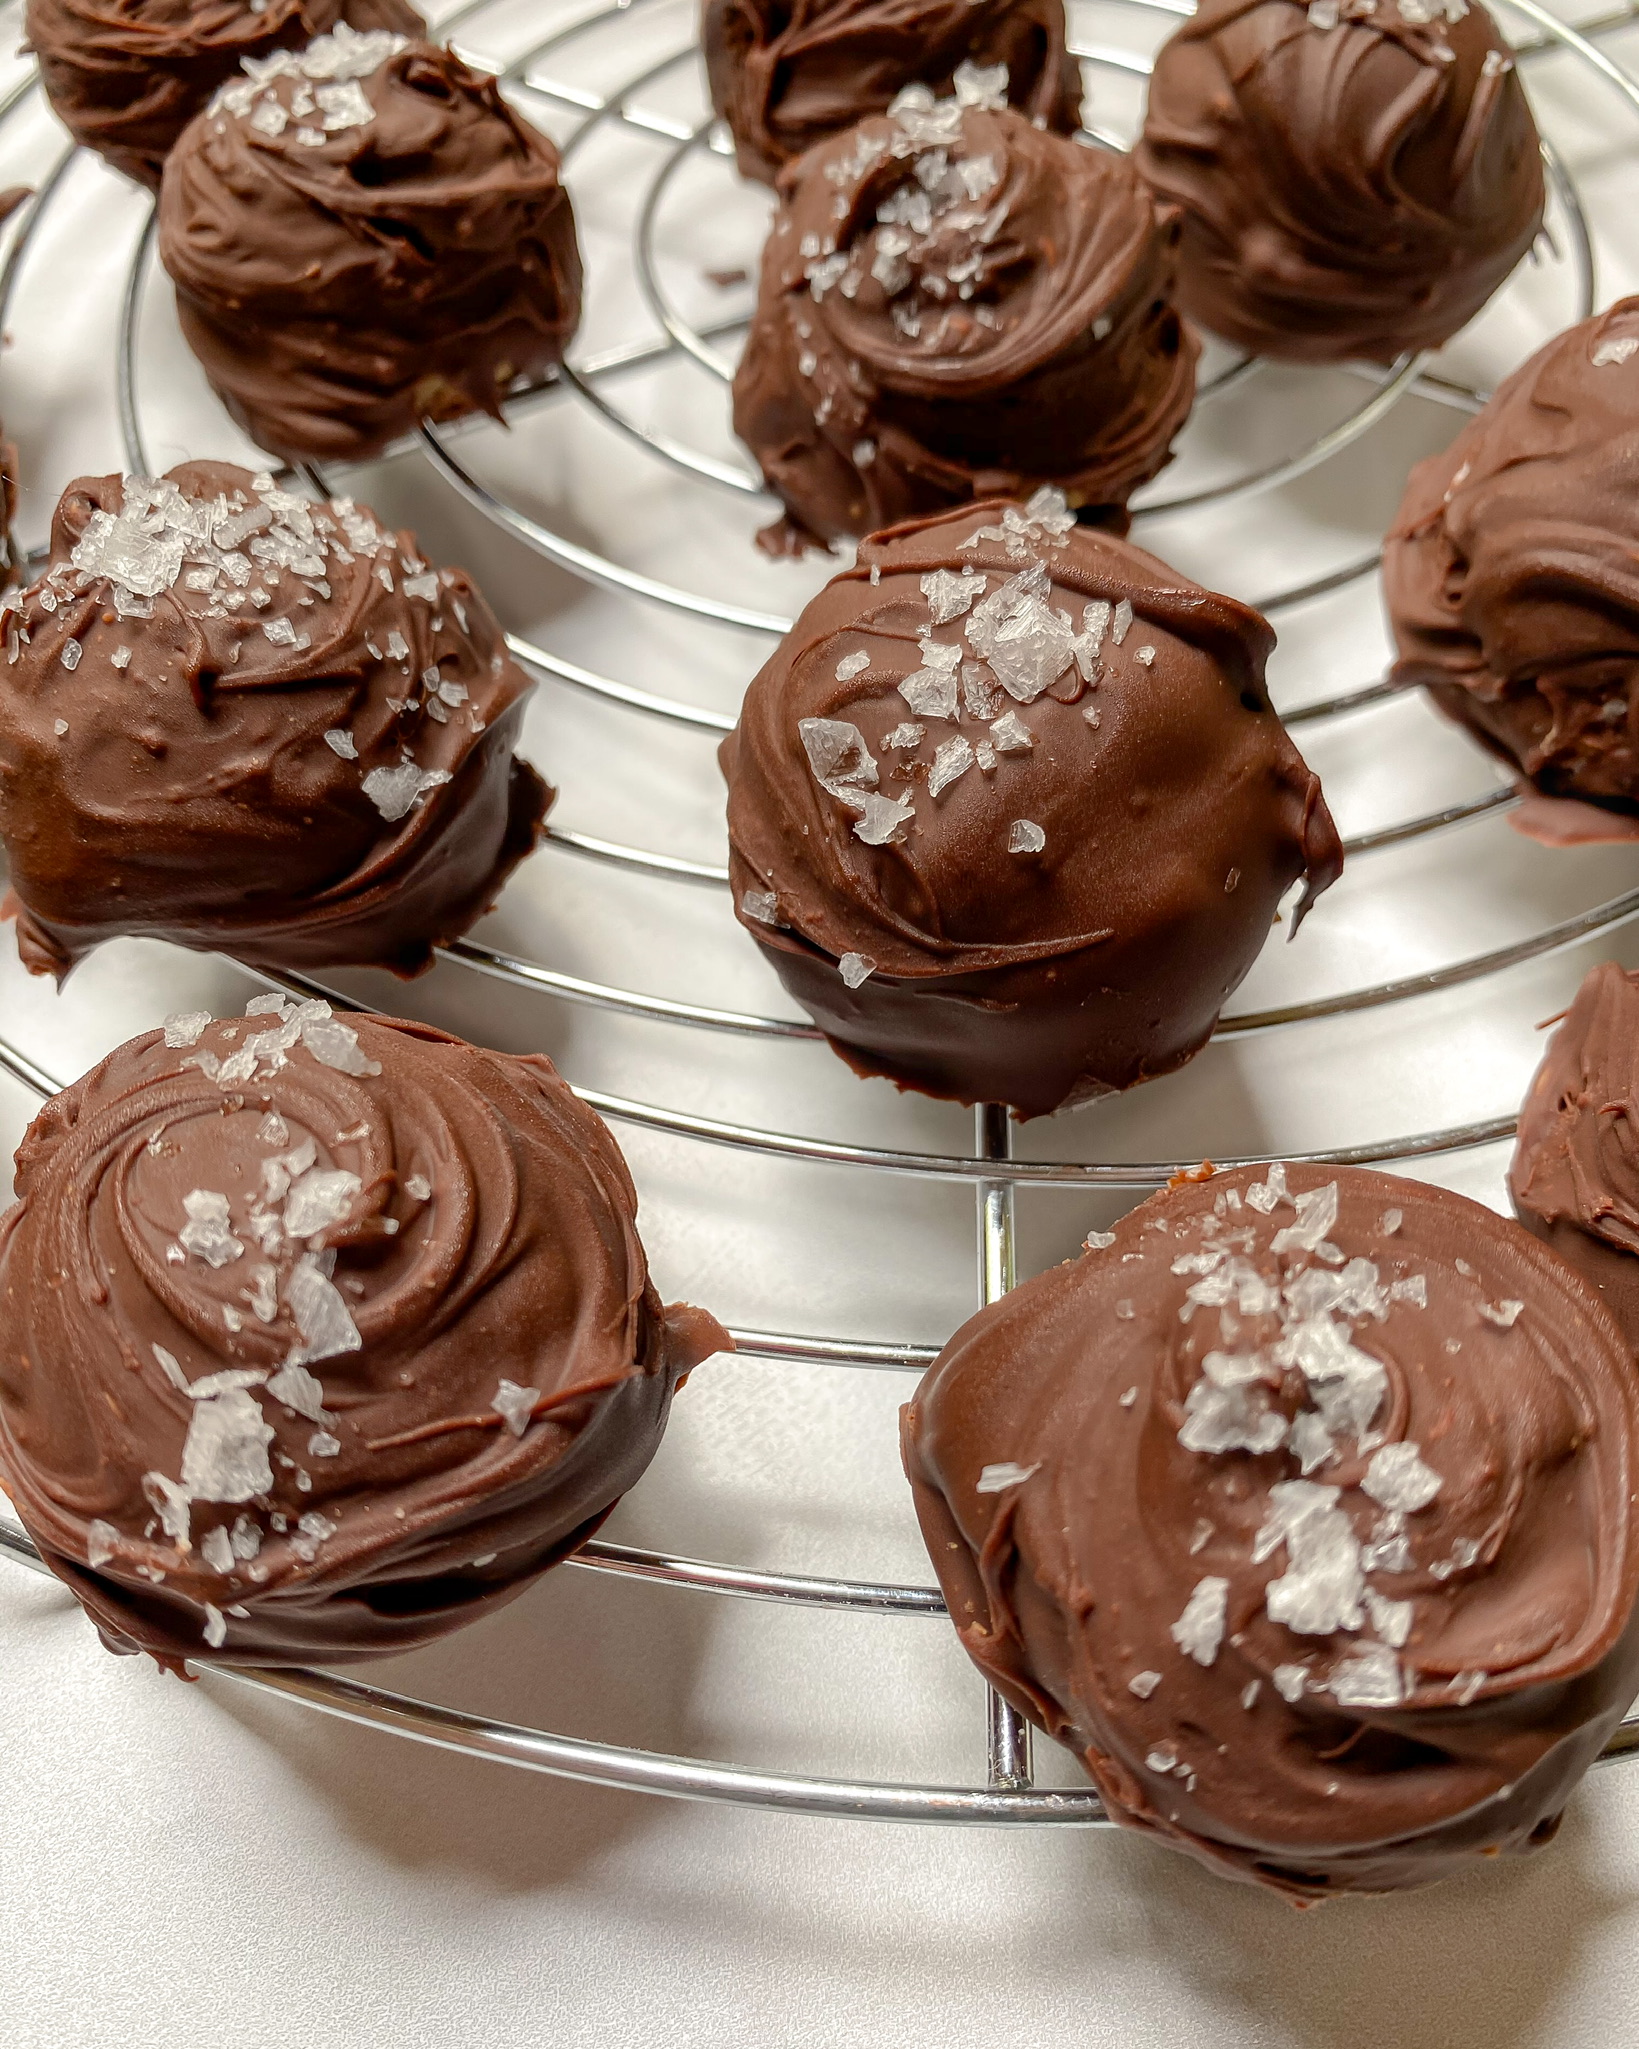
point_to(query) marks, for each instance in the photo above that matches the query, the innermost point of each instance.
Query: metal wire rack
(540, 79)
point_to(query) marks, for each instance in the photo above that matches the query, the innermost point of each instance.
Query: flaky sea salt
(515, 1405)
(186, 1027)
(396, 791)
(761, 904)
(996, 1479)
(341, 742)
(1025, 837)
(855, 968)
(1143, 1684)
(101, 1541)
(1398, 1479)
(1199, 1631)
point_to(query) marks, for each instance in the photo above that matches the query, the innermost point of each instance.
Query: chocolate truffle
(1508, 572)
(955, 305)
(318, 1339)
(1575, 1176)
(1300, 1509)
(239, 719)
(1357, 177)
(127, 76)
(785, 77)
(363, 236)
(1009, 811)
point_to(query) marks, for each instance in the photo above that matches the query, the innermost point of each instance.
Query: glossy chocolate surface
(370, 238)
(1356, 177)
(318, 1339)
(1010, 813)
(238, 718)
(956, 305)
(1301, 1510)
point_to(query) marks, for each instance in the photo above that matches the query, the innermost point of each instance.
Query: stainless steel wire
(992, 1170)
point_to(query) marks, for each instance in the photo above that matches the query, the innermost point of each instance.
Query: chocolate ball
(242, 720)
(1508, 572)
(321, 1339)
(954, 305)
(363, 238)
(1356, 177)
(1300, 1509)
(1575, 1173)
(1009, 811)
(786, 77)
(125, 77)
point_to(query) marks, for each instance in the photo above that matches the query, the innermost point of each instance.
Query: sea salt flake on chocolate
(341, 742)
(186, 1027)
(101, 1540)
(1465, 1552)
(981, 693)
(322, 1445)
(300, 1391)
(1098, 1241)
(1317, 1214)
(418, 1188)
(1322, 1587)
(1264, 1195)
(1398, 1479)
(1391, 1619)
(853, 665)
(1391, 1221)
(1122, 621)
(1199, 1631)
(1143, 1684)
(1027, 643)
(1025, 837)
(1250, 1692)
(225, 1457)
(515, 1405)
(321, 1315)
(1311, 1442)
(1413, 1289)
(72, 651)
(761, 904)
(171, 1367)
(951, 595)
(905, 736)
(217, 1550)
(336, 1045)
(838, 756)
(1370, 1677)
(1201, 1536)
(206, 1234)
(1225, 1410)
(322, 1197)
(983, 86)
(931, 690)
(312, 1530)
(856, 968)
(952, 759)
(216, 1626)
(1145, 655)
(1162, 1759)
(1467, 1686)
(1011, 735)
(1290, 1681)
(883, 820)
(1503, 1314)
(996, 1479)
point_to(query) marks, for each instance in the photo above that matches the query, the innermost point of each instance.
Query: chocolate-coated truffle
(1301, 1510)
(127, 76)
(317, 1339)
(239, 719)
(955, 305)
(785, 77)
(366, 237)
(1508, 573)
(1009, 811)
(1575, 1175)
(1357, 177)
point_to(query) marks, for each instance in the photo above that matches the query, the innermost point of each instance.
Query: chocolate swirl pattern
(956, 305)
(127, 76)
(1300, 1508)
(235, 718)
(1356, 177)
(785, 77)
(1509, 570)
(366, 238)
(319, 1340)
(1575, 1174)
(1009, 811)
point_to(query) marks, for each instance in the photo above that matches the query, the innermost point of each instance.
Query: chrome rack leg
(1007, 1734)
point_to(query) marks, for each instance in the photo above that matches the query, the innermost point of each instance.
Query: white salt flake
(883, 820)
(855, 968)
(1290, 1681)
(1098, 1241)
(1121, 623)
(1143, 1684)
(1503, 1314)
(336, 1045)
(1011, 734)
(101, 1541)
(996, 1479)
(1025, 837)
(761, 904)
(1322, 1586)
(905, 736)
(1391, 1221)
(186, 1027)
(1609, 352)
(300, 1391)
(321, 1314)
(1369, 1677)
(951, 595)
(216, 1627)
(418, 1188)
(515, 1405)
(171, 1367)
(312, 1530)
(853, 665)
(1200, 1629)
(217, 1550)
(225, 1457)
(206, 1234)
(322, 1197)
(1027, 643)
(1250, 1692)
(1398, 1479)
(72, 651)
(341, 742)
(1391, 1619)
(982, 86)
(952, 759)
(396, 791)
(322, 1445)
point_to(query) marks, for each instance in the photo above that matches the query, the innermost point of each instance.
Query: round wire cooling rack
(656, 103)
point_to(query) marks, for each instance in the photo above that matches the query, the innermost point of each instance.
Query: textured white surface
(199, 1864)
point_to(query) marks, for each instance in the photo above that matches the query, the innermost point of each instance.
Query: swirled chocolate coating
(1009, 811)
(317, 1341)
(786, 77)
(1508, 573)
(127, 76)
(1355, 179)
(1575, 1174)
(1304, 1519)
(238, 719)
(957, 305)
(346, 266)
